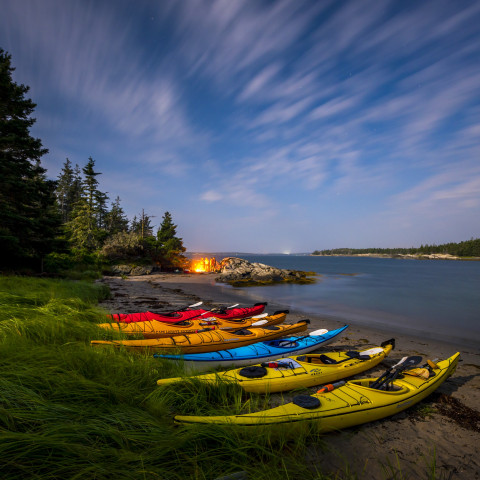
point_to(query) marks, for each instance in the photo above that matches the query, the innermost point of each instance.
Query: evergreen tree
(77, 187)
(170, 246)
(142, 226)
(86, 226)
(101, 210)
(82, 228)
(116, 220)
(90, 183)
(64, 190)
(28, 220)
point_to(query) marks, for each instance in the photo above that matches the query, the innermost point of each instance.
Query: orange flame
(203, 265)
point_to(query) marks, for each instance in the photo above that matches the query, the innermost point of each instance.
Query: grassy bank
(68, 410)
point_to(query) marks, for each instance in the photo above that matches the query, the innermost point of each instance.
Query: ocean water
(439, 299)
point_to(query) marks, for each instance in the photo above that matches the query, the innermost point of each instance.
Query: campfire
(203, 265)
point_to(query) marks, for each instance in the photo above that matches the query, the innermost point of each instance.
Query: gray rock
(121, 269)
(233, 269)
(143, 270)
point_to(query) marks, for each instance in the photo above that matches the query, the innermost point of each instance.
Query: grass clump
(68, 410)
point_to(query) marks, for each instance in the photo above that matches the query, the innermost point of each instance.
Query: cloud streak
(359, 103)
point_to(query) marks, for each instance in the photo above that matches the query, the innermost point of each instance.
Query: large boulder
(237, 271)
(120, 270)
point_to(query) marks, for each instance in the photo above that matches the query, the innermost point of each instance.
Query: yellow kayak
(297, 371)
(354, 403)
(157, 329)
(211, 340)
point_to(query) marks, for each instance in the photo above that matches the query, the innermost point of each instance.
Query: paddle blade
(262, 315)
(321, 331)
(372, 351)
(195, 305)
(409, 362)
(260, 322)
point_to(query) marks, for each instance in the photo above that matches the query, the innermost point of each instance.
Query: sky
(264, 126)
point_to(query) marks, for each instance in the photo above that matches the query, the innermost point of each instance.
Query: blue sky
(264, 126)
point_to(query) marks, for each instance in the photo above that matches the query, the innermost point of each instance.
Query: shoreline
(401, 442)
(408, 256)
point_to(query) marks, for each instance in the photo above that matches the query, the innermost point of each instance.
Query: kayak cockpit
(365, 383)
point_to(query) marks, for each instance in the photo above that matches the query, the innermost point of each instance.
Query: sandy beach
(439, 438)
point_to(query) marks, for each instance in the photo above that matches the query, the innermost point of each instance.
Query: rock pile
(237, 271)
(119, 270)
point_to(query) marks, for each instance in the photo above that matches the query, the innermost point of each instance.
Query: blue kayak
(257, 352)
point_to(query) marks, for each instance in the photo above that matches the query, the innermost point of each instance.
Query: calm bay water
(439, 299)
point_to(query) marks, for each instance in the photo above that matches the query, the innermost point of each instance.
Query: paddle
(425, 371)
(207, 312)
(213, 310)
(391, 374)
(320, 331)
(189, 306)
(365, 355)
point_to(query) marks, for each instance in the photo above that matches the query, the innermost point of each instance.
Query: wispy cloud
(239, 102)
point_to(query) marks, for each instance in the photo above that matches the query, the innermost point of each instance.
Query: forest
(65, 224)
(469, 248)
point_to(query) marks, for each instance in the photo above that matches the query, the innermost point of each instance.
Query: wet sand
(441, 434)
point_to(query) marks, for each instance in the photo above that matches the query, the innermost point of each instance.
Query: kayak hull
(156, 329)
(236, 312)
(210, 341)
(301, 371)
(352, 404)
(263, 351)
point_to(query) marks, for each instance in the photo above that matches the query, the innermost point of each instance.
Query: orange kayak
(210, 341)
(156, 329)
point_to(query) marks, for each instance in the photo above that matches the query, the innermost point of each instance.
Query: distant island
(468, 250)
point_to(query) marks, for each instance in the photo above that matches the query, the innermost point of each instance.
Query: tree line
(55, 223)
(468, 248)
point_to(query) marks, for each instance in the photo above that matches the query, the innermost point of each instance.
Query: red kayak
(181, 316)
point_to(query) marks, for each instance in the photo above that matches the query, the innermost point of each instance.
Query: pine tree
(64, 191)
(90, 183)
(116, 220)
(77, 187)
(82, 228)
(170, 246)
(143, 226)
(28, 220)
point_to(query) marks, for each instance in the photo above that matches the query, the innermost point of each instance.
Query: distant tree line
(468, 248)
(55, 224)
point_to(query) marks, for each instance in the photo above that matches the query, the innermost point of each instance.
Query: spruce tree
(170, 246)
(116, 220)
(28, 218)
(64, 190)
(86, 227)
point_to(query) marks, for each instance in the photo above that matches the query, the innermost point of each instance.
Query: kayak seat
(327, 360)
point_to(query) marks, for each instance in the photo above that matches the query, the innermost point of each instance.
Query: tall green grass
(71, 411)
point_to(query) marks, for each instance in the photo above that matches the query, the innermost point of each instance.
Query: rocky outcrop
(119, 270)
(240, 272)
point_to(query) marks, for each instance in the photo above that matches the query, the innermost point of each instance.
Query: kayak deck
(352, 404)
